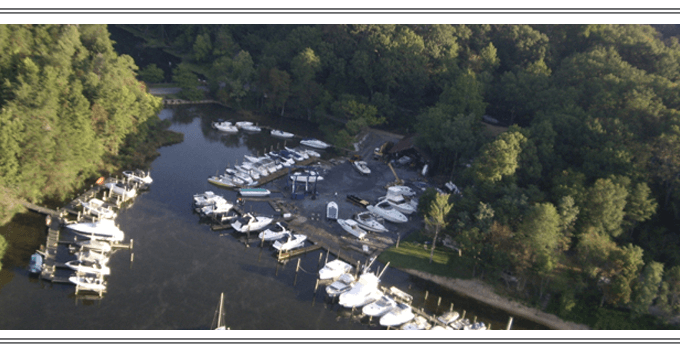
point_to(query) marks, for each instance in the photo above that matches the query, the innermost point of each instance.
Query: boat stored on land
(293, 241)
(369, 221)
(399, 203)
(400, 190)
(97, 207)
(334, 269)
(386, 211)
(332, 211)
(309, 142)
(352, 227)
(281, 134)
(105, 229)
(272, 234)
(254, 192)
(362, 167)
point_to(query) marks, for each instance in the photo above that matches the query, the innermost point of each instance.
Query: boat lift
(295, 184)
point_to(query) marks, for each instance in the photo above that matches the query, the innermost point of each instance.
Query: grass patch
(414, 255)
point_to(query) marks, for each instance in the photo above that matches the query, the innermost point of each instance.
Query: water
(180, 266)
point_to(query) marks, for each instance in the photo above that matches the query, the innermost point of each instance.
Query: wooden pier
(283, 255)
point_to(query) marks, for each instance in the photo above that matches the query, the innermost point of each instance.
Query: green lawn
(413, 255)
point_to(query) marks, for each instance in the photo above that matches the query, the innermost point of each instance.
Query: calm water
(180, 266)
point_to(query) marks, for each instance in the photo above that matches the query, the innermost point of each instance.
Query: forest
(577, 199)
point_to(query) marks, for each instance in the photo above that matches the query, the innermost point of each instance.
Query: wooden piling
(426, 294)
(509, 326)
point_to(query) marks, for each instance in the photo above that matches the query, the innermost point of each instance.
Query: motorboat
(93, 244)
(419, 323)
(306, 176)
(255, 168)
(97, 207)
(283, 157)
(334, 269)
(220, 326)
(362, 167)
(352, 227)
(272, 234)
(332, 211)
(460, 323)
(281, 134)
(225, 181)
(363, 292)
(225, 127)
(91, 255)
(35, 265)
(139, 176)
(399, 315)
(369, 221)
(217, 208)
(251, 128)
(89, 266)
(379, 307)
(304, 155)
(293, 155)
(309, 142)
(250, 223)
(104, 229)
(293, 241)
(255, 175)
(254, 192)
(399, 203)
(91, 282)
(448, 317)
(242, 124)
(343, 284)
(311, 153)
(206, 198)
(400, 190)
(241, 175)
(477, 326)
(121, 189)
(386, 211)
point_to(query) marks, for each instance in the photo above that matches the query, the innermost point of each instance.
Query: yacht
(250, 223)
(97, 207)
(255, 168)
(399, 203)
(379, 307)
(386, 211)
(352, 227)
(293, 241)
(334, 269)
(400, 190)
(105, 229)
(281, 134)
(309, 142)
(272, 234)
(343, 284)
(369, 221)
(363, 292)
(399, 315)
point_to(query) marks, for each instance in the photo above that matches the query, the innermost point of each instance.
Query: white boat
(91, 255)
(310, 153)
(121, 189)
(89, 282)
(282, 157)
(343, 284)
(272, 234)
(225, 127)
(386, 211)
(334, 269)
(400, 190)
(282, 134)
(255, 175)
(217, 208)
(139, 176)
(362, 167)
(89, 266)
(105, 229)
(220, 326)
(294, 155)
(448, 317)
(419, 323)
(250, 223)
(241, 175)
(254, 192)
(314, 143)
(304, 155)
(225, 181)
(399, 203)
(207, 198)
(352, 227)
(478, 326)
(255, 167)
(379, 307)
(293, 241)
(94, 244)
(242, 124)
(363, 292)
(97, 207)
(369, 221)
(460, 323)
(332, 211)
(251, 128)
(399, 315)
(310, 176)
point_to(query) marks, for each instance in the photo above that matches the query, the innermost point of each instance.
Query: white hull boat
(311, 153)
(254, 192)
(89, 282)
(332, 211)
(386, 211)
(306, 176)
(314, 143)
(292, 155)
(400, 190)
(351, 226)
(363, 292)
(399, 315)
(89, 267)
(217, 208)
(362, 167)
(241, 175)
(139, 176)
(343, 284)
(91, 255)
(282, 159)
(250, 223)
(273, 234)
(419, 323)
(251, 128)
(256, 168)
(334, 269)
(224, 181)
(242, 124)
(121, 189)
(294, 241)
(103, 229)
(207, 198)
(304, 155)
(379, 307)
(448, 317)
(368, 221)
(225, 127)
(95, 245)
(399, 203)
(479, 326)
(97, 207)
(255, 175)
(281, 134)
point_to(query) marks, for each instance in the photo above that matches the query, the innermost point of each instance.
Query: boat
(419, 323)
(292, 155)
(255, 175)
(217, 208)
(278, 232)
(293, 241)
(460, 323)
(362, 167)
(255, 168)
(477, 326)
(306, 176)
(386, 211)
(121, 189)
(369, 221)
(90, 282)
(334, 269)
(206, 198)
(311, 153)
(97, 207)
(254, 192)
(448, 317)
(283, 157)
(242, 124)
(304, 155)
(225, 127)
(251, 128)
(91, 255)
(139, 176)
(399, 203)
(343, 284)
(379, 307)
(225, 181)
(241, 175)
(220, 326)
(400, 190)
(89, 266)
(36, 264)
(399, 315)
(363, 292)
(352, 227)
(93, 244)
(282, 134)
(332, 211)
(309, 142)
(250, 223)
(104, 229)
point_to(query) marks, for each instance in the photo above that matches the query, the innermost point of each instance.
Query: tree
(499, 158)
(152, 74)
(604, 209)
(640, 206)
(3, 248)
(188, 81)
(436, 217)
(647, 288)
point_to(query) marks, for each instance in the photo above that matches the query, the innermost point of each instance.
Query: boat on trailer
(352, 228)
(332, 211)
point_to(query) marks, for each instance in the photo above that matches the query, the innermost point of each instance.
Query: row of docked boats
(228, 127)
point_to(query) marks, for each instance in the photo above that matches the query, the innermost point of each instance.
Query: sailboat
(220, 313)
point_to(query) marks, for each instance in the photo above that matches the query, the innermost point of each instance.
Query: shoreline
(478, 290)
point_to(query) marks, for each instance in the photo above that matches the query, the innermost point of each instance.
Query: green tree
(3, 248)
(436, 217)
(647, 288)
(152, 74)
(188, 81)
(499, 158)
(605, 205)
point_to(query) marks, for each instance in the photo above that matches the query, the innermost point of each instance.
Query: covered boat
(89, 266)
(362, 167)
(36, 263)
(272, 234)
(97, 207)
(369, 221)
(281, 134)
(121, 189)
(334, 269)
(293, 241)
(379, 307)
(352, 227)
(139, 176)
(250, 223)
(343, 284)
(332, 211)
(225, 127)
(104, 229)
(90, 282)
(386, 211)
(309, 142)
(254, 192)
(399, 315)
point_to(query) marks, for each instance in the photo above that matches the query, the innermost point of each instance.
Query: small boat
(362, 167)
(278, 232)
(36, 264)
(283, 158)
(89, 266)
(220, 326)
(97, 207)
(332, 211)
(225, 127)
(304, 155)
(334, 269)
(419, 323)
(206, 198)
(91, 255)
(311, 153)
(352, 227)
(251, 128)
(386, 211)
(379, 307)
(448, 317)
(282, 134)
(93, 244)
(242, 124)
(343, 284)
(309, 142)
(104, 229)
(139, 176)
(250, 223)
(293, 241)
(241, 175)
(121, 189)
(460, 323)
(255, 168)
(255, 175)
(293, 155)
(363, 292)
(225, 181)
(254, 192)
(478, 326)
(399, 203)
(90, 282)
(399, 315)
(217, 208)
(369, 221)
(400, 190)
(306, 176)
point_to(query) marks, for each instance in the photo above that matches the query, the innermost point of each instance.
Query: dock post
(316, 287)
(132, 259)
(451, 308)
(298, 266)
(328, 252)
(474, 320)
(509, 324)
(319, 262)
(262, 241)
(426, 294)
(462, 317)
(438, 303)
(489, 328)
(398, 237)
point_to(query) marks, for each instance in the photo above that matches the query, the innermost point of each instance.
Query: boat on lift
(272, 234)
(310, 142)
(97, 207)
(139, 176)
(225, 127)
(104, 229)
(310, 176)
(293, 241)
(89, 266)
(334, 269)
(369, 221)
(93, 244)
(91, 282)
(121, 189)
(91, 255)
(250, 223)
(352, 228)
(448, 317)
(281, 134)
(386, 211)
